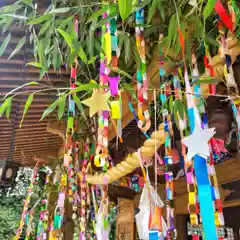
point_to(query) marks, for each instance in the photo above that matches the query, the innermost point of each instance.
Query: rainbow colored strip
(168, 161)
(26, 203)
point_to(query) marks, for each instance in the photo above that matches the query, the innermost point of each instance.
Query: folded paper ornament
(97, 102)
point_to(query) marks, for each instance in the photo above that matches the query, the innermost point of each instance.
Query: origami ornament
(97, 102)
(197, 142)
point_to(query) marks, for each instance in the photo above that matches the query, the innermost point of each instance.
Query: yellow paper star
(97, 102)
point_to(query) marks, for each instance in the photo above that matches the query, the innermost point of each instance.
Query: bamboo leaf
(19, 87)
(181, 110)
(125, 8)
(60, 10)
(50, 109)
(92, 60)
(131, 90)
(82, 55)
(26, 107)
(171, 104)
(61, 106)
(9, 108)
(5, 44)
(122, 5)
(172, 33)
(152, 11)
(41, 55)
(84, 87)
(67, 38)
(97, 14)
(15, 16)
(127, 44)
(121, 72)
(175, 110)
(18, 47)
(28, 2)
(208, 80)
(45, 27)
(34, 64)
(79, 105)
(209, 8)
(5, 105)
(41, 19)
(10, 8)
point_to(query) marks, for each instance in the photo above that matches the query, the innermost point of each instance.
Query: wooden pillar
(181, 226)
(125, 220)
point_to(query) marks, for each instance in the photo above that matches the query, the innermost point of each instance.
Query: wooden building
(44, 140)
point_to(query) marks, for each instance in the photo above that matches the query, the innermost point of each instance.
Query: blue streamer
(204, 190)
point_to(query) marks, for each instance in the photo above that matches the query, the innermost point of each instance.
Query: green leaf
(4, 44)
(28, 2)
(18, 47)
(127, 44)
(6, 105)
(60, 10)
(79, 105)
(207, 80)
(67, 38)
(131, 90)
(121, 72)
(10, 8)
(56, 59)
(19, 87)
(15, 16)
(92, 60)
(84, 87)
(9, 107)
(27, 105)
(152, 11)
(178, 109)
(45, 27)
(97, 14)
(82, 55)
(172, 33)
(50, 109)
(40, 50)
(61, 106)
(171, 104)
(41, 19)
(125, 8)
(34, 64)
(209, 8)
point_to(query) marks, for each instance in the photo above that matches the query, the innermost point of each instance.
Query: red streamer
(225, 17)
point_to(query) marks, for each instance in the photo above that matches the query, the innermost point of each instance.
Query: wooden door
(125, 220)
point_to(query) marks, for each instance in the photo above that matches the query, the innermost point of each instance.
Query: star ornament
(197, 142)
(97, 102)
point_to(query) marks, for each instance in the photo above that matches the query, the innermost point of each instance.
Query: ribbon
(226, 19)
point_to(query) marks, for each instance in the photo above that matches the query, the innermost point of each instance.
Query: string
(155, 119)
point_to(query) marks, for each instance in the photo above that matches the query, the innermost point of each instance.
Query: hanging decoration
(172, 233)
(97, 102)
(84, 194)
(144, 121)
(200, 165)
(42, 227)
(150, 206)
(27, 216)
